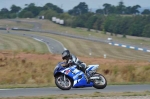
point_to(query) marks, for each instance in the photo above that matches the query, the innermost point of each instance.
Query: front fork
(64, 78)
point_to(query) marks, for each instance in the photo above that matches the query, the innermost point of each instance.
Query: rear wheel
(64, 85)
(99, 83)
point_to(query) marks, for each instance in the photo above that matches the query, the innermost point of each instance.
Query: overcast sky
(69, 4)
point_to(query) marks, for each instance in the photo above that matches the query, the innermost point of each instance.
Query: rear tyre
(99, 83)
(61, 84)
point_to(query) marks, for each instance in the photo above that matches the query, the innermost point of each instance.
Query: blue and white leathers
(77, 76)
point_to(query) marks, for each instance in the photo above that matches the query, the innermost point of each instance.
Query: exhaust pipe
(94, 77)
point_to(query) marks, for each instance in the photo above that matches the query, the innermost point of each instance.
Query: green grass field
(77, 46)
(83, 48)
(21, 44)
(11, 24)
(48, 25)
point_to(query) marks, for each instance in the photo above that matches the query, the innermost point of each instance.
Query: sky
(69, 4)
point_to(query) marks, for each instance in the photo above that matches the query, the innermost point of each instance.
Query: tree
(82, 8)
(4, 13)
(124, 25)
(12, 15)
(64, 16)
(90, 22)
(100, 11)
(4, 10)
(15, 9)
(128, 10)
(80, 21)
(146, 11)
(52, 7)
(109, 23)
(69, 22)
(98, 25)
(135, 8)
(112, 10)
(31, 5)
(116, 25)
(120, 9)
(49, 14)
(146, 31)
(107, 8)
(28, 14)
(35, 10)
(136, 27)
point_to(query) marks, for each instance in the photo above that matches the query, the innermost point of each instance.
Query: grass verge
(48, 25)
(81, 47)
(21, 44)
(11, 24)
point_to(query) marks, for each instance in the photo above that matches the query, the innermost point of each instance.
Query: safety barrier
(130, 47)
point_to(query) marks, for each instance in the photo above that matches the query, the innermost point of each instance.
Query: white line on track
(41, 40)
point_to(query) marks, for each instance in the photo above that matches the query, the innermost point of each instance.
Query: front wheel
(99, 83)
(63, 83)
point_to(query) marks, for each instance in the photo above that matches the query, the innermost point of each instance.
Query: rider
(73, 60)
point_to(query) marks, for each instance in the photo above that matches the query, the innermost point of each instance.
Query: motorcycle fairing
(78, 78)
(92, 67)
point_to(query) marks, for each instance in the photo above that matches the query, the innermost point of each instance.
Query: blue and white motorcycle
(71, 77)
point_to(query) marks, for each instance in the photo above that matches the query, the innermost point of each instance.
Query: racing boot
(86, 74)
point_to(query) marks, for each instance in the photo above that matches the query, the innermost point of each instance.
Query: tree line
(30, 11)
(119, 19)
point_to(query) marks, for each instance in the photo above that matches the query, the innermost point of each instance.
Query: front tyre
(99, 83)
(63, 85)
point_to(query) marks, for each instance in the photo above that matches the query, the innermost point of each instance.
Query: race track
(56, 91)
(37, 28)
(53, 45)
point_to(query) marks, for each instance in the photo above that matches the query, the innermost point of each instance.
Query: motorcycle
(72, 77)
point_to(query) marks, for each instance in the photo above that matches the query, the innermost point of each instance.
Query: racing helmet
(65, 54)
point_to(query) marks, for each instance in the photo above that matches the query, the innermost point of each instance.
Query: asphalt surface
(56, 91)
(53, 45)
